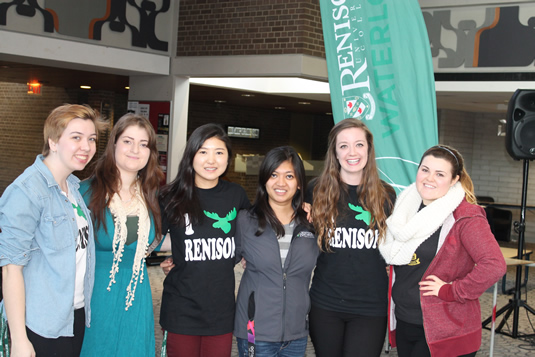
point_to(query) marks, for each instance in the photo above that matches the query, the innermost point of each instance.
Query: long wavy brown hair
(456, 160)
(107, 178)
(373, 194)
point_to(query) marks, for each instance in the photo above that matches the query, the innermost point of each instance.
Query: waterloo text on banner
(380, 71)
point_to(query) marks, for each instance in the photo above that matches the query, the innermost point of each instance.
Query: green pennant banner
(381, 72)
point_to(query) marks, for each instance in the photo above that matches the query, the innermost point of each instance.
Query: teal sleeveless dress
(114, 330)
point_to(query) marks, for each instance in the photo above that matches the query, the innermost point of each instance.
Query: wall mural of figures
(141, 24)
(471, 37)
(497, 48)
(143, 33)
(27, 8)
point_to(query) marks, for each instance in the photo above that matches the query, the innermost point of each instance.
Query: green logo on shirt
(363, 215)
(78, 210)
(223, 223)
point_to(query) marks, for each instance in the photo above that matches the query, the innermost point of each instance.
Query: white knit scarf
(120, 213)
(407, 227)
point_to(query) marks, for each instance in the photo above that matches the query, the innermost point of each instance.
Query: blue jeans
(294, 348)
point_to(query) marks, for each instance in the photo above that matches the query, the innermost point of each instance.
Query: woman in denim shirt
(46, 240)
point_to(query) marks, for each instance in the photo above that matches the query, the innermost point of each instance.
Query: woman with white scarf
(123, 198)
(443, 256)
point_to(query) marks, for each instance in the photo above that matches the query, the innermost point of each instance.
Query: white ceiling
(473, 96)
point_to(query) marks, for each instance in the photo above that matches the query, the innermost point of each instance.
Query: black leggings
(411, 342)
(339, 334)
(61, 346)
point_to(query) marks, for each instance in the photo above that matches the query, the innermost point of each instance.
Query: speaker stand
(514, 304)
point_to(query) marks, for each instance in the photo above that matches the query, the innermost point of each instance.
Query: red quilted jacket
(470, 258)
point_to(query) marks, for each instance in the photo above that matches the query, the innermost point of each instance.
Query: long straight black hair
(179, 197)
(261, 208)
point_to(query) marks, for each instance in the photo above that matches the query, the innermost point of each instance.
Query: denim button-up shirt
(39, 231)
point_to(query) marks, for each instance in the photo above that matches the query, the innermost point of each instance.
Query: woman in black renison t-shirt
(349, 207)
(199, 210)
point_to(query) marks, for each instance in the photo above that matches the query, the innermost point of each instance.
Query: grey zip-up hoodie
(280, 296)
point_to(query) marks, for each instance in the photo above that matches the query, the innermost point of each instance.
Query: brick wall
(21, 123)
(457, 129)
(249, 27)
(493, 171)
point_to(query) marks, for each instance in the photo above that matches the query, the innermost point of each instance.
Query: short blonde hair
(59, 118)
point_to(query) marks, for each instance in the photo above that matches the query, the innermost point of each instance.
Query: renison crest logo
(359, 107)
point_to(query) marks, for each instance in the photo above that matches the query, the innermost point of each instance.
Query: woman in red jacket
(443, 256)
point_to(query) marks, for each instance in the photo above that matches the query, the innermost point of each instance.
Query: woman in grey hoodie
(280, 249)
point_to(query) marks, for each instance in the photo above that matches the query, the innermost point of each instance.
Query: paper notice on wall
(144, 110)
(132, 107)
(161, 142)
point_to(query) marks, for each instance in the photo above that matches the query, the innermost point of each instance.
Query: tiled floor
(504, 346)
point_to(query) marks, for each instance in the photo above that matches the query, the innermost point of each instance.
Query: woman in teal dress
(122, 196)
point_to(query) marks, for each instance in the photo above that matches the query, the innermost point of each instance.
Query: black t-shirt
(198, 294)
(352, 278)
(406, 291)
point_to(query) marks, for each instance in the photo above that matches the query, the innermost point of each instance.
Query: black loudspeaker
(520, 132)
